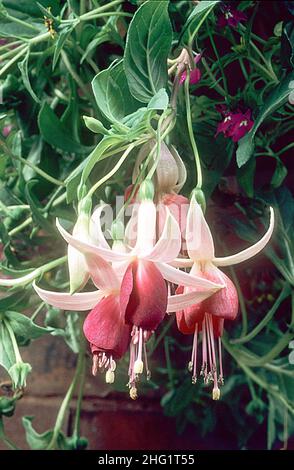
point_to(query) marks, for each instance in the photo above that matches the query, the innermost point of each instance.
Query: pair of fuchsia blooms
(166, 243)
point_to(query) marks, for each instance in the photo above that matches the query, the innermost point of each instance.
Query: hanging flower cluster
(139, 277)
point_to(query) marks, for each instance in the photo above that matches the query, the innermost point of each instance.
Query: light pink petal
(198, 236)
(182, 263)
(79, 302)
(182, 301)
(184, 279)
(89, 249)
(251, 251)
(169, 244)
(96, 234)
(146, 231)
(102, 273)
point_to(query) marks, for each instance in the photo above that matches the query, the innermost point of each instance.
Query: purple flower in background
(230, 17)
(234, 124)
(195, 74)
(6, 130)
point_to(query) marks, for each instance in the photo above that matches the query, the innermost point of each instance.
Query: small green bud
(146, 190)
(117, 230)
(7, 406)
(199, 196)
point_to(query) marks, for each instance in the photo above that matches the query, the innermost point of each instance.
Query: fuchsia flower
(235, 124)
(195, 73)
(208, 315)
(133, 300)
(230, 16)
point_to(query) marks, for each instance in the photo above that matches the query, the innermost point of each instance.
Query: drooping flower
(208, 315)
(230, 16)
(195, 73)
(138, 299)
(234, 124)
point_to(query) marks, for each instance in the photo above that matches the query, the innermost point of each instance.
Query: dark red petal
(223, 303)
(182, 325)
(143, 297)
(104, 327)
(218, 326)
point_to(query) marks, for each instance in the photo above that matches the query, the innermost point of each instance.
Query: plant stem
(31, 165)
(256, 378)
(191, 133)
(76, 431)
(67, 399)
(4, 438)
(37, 311)
(29, 220)
(114, 169)
(28, 278)
(23, 23)
(244, 339)
(100, 9)
(242, 302)
(14, 59)
(225, 83)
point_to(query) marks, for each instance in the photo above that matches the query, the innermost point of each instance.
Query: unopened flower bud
(146, 190)
(117, 230)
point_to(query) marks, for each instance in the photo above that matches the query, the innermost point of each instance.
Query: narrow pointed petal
(251, 250)
(79, 302)
(88, 248)
(104, 327)
(96, 234)
(198, 236)
(169, 243)
(102, 273)
(182, 301)
(181, 278)
(77, 266)
(182, 325)
(146, 228)
(143, 297)
(182, 263)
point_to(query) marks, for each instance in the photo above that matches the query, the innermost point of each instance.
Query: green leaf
(37, 210)
(279, 174)
(35, 440)
(159, 101)
(7, 356)
(112, 94)
(271, 427)
(276, 98)
(147, 48)
(23, 67)
(55, 134)
(245, 176)
(62, 37)
(98, 153)
(24, 328)
(18, 373)
(197, 17)
(34, 156)
(42, 441)
(12, 300)
(95, 126)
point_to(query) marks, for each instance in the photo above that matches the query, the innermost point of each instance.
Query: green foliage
(97, 85)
